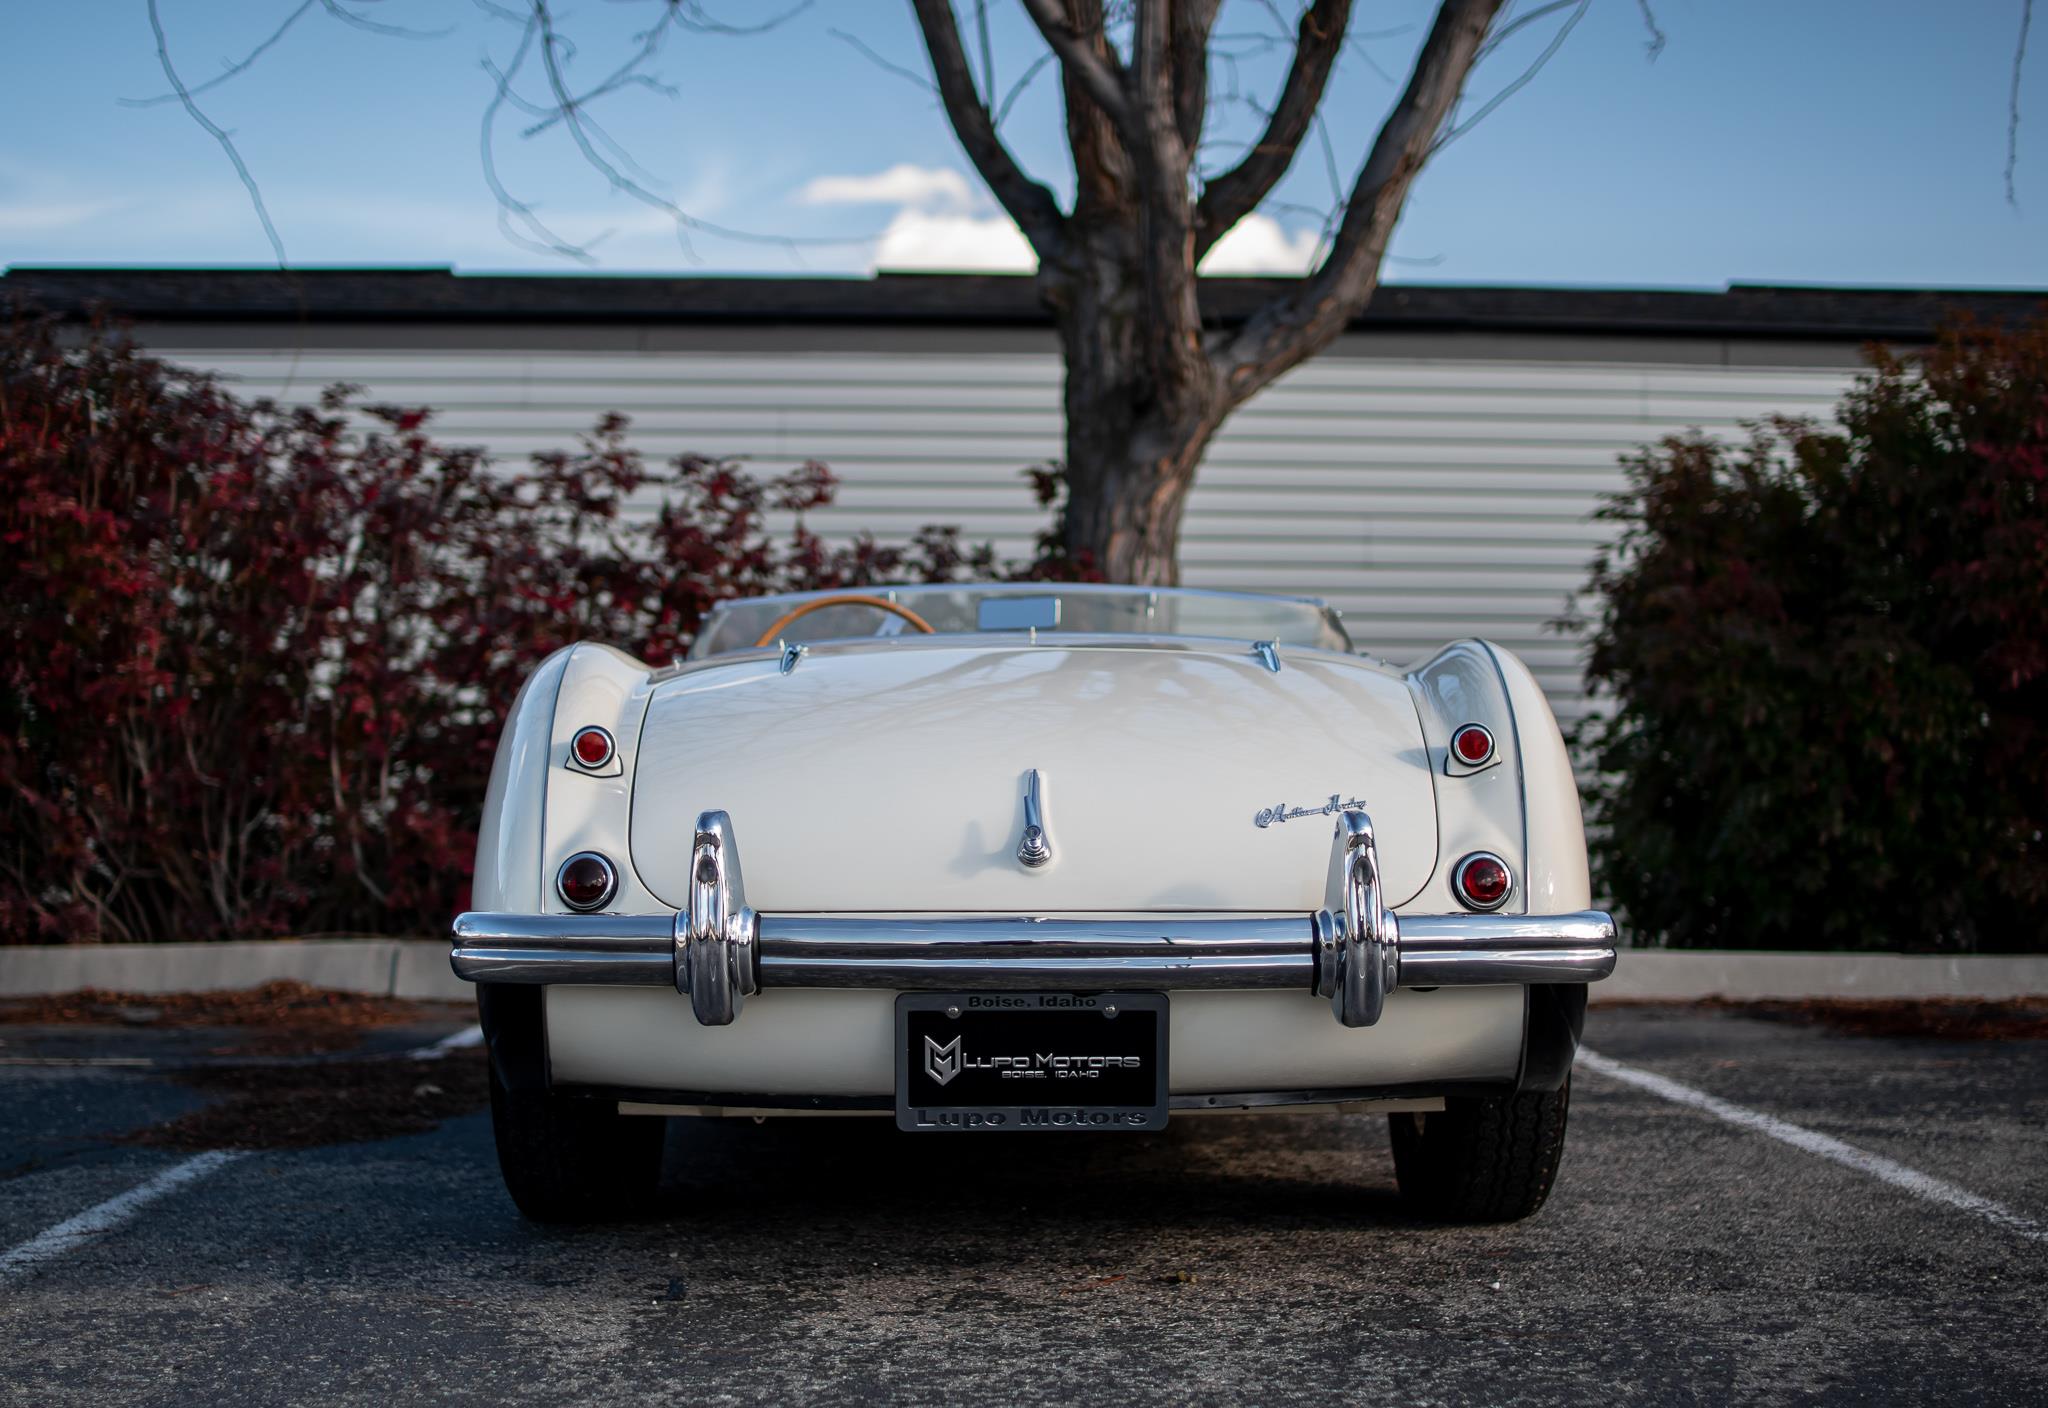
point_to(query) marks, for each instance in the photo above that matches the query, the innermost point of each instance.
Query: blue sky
(1859, 143)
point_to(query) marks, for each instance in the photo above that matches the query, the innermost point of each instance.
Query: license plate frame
(1062, 1051)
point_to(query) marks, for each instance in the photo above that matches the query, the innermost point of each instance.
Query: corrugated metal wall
(1429, 498)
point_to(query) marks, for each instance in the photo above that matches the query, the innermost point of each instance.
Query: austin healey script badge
(1272, 816)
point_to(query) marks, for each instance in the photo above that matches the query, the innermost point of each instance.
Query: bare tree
(1148, 384)
(1148, 381)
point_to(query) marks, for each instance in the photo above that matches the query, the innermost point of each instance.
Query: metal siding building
(1434, 475)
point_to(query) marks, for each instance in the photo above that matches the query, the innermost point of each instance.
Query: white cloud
(942, 223)
(1258, 244)
(936, 228)
(924, 240)
(920, 187)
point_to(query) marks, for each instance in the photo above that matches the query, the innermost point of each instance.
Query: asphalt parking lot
(1687, 1256)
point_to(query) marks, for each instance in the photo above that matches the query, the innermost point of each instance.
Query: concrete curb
(418, 968)
(414, 968)
(1689, 975)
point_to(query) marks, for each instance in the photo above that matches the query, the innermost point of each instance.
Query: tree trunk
(1147, 385)
(1137, 424)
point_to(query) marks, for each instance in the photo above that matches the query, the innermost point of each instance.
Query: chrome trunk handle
(1035, 849)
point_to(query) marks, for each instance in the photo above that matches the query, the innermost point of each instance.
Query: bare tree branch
(692, 15)
(860, 47)
(1188, 51)
(1151, 74)
(1329, 149)
(1095, 71)
(1507, 29)
(1238, 191)
(213, 130)
(578, 126)
(1656, 45)
(1165, 32)
(626, 74)
(232, 69)
(1030, 204)
(2012, 112)
(1105, 180)
(1521, 80)
(513, 213)
(390, 31)
(988, 53)
(1304, 321)
(567, 108)
(1023, 82)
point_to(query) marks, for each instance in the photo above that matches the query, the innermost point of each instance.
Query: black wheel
(571, 1160)
(1490, 1159)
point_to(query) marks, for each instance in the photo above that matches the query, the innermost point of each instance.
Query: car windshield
(1044, 606)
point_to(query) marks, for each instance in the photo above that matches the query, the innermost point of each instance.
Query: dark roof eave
(975, 300)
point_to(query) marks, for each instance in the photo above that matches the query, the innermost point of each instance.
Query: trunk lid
(891, 778)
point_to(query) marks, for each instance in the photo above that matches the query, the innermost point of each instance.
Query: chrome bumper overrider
(1353, 951)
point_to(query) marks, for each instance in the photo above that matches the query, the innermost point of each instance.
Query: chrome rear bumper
(717, 951)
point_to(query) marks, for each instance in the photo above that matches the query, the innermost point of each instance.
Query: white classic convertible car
(1031, 858)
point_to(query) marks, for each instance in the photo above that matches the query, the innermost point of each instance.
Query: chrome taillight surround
(1465, 898)
(611, 882)
(606, 753)
(1467, 734)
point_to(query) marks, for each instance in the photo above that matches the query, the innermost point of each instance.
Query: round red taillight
(1483, 881)
(586, 881)
(592, 747)
(1472, 744)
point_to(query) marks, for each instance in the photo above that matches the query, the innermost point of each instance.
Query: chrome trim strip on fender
(1485, 967)
(560, 963)
(1586, 928)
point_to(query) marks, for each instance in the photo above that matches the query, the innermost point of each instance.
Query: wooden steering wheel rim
(844, 599)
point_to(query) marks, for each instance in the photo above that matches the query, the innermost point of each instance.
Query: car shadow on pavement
(1211, 1169)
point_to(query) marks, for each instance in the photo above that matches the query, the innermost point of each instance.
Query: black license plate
(1031, 1060)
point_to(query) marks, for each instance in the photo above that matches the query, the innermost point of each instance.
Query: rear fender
(1477, 809)
(1524, 806)
(606, 688)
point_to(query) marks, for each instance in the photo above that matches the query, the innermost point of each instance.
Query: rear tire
(572, 1160)
(1487, 1159)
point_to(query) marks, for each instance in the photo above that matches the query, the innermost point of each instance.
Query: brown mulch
(333, 1102)
(298, 1104)
(282, 1018)
(1940, 1019)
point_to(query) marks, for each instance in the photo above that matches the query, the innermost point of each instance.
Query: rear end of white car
(1026, 881)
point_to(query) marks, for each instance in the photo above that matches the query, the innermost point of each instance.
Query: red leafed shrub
(1828, 652)
(256, 657)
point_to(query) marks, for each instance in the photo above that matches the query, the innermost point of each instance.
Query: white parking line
(1920, 1185)
(455, 1041)
(72, 1232)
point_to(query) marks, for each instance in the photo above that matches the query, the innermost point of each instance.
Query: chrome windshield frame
(906, 593)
